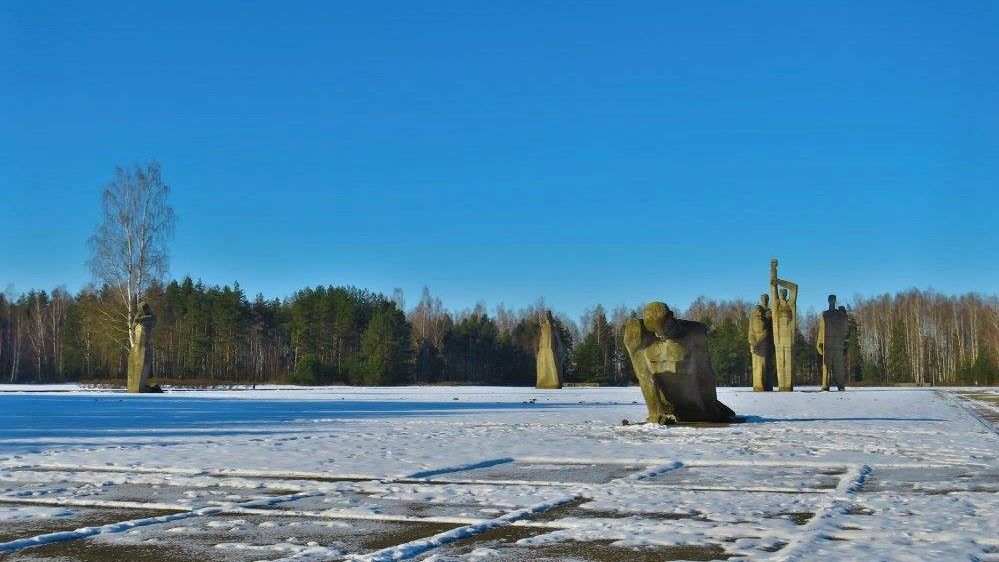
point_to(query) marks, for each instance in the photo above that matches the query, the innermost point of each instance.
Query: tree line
(215, 335)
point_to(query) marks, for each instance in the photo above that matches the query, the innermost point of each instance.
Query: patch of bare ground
(978, 402)
(258, 538)
(798, 517)
(403, 533)
(605, 551)
(576, 508)
(368, 502)
(787, 478)
(933, 480)
(76, 518)
(503, 544)
(86, 551)
(585, 473)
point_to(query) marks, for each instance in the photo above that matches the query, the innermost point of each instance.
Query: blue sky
(586, 152)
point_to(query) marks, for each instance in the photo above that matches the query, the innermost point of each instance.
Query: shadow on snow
(34, 417)
(761, 419)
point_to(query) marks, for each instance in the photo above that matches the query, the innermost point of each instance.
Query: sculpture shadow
(761, 419)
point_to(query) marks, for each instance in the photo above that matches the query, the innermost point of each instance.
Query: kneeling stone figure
(670, 357)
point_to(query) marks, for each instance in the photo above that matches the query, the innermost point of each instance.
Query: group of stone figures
(772, 332)
(669, 355)
(671, 361)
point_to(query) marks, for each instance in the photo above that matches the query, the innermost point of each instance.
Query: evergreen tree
(588, 361)
(729, 353)
(385, 348)
(213, 335)
(807, 361)
(854, 366)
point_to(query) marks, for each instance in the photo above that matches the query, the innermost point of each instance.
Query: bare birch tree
(19, 321)
(129, 248)
(37, 327)
(59, 303)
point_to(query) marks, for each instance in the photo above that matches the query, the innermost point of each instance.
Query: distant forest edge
(211, 335)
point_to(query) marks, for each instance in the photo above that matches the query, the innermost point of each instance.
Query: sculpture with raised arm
(831, 344)
(761, 344)
(670, 357)
(785, 326)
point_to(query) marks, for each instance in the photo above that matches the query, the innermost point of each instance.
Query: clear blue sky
(610, 152)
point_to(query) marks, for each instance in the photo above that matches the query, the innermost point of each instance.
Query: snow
(878, 474)
(12, 513)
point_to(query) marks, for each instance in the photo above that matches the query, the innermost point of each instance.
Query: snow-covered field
(493, 474)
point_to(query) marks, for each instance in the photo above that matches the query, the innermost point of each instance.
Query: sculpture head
(832, 302)
(764, 300)
(144, 315)
(783, 293)
(660, 320)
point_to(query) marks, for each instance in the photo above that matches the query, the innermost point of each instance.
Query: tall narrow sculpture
(140, 357)
(549, 356)
(761, 344)
(670, 358)
(831, 344)
(785, 317)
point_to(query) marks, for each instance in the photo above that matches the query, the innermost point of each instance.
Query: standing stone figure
(670, 357)
(761, 344)
(549, 356)
(785, 316)
(140, 357)
(831, 344)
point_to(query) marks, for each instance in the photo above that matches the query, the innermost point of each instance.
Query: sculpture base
(734, 420)
(146, 389)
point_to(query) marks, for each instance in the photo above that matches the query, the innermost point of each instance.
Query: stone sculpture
(549, 356)
(785, 326)
(670, 358)
(761, 344)
(831, 344)
(140, 357)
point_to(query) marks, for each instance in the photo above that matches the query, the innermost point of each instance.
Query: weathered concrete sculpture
(831, 344)
(670, 357)
(549, 356)
(140, 357)
(761, 344)
(785, 317)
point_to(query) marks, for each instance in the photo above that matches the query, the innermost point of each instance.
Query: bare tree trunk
(18, 327)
